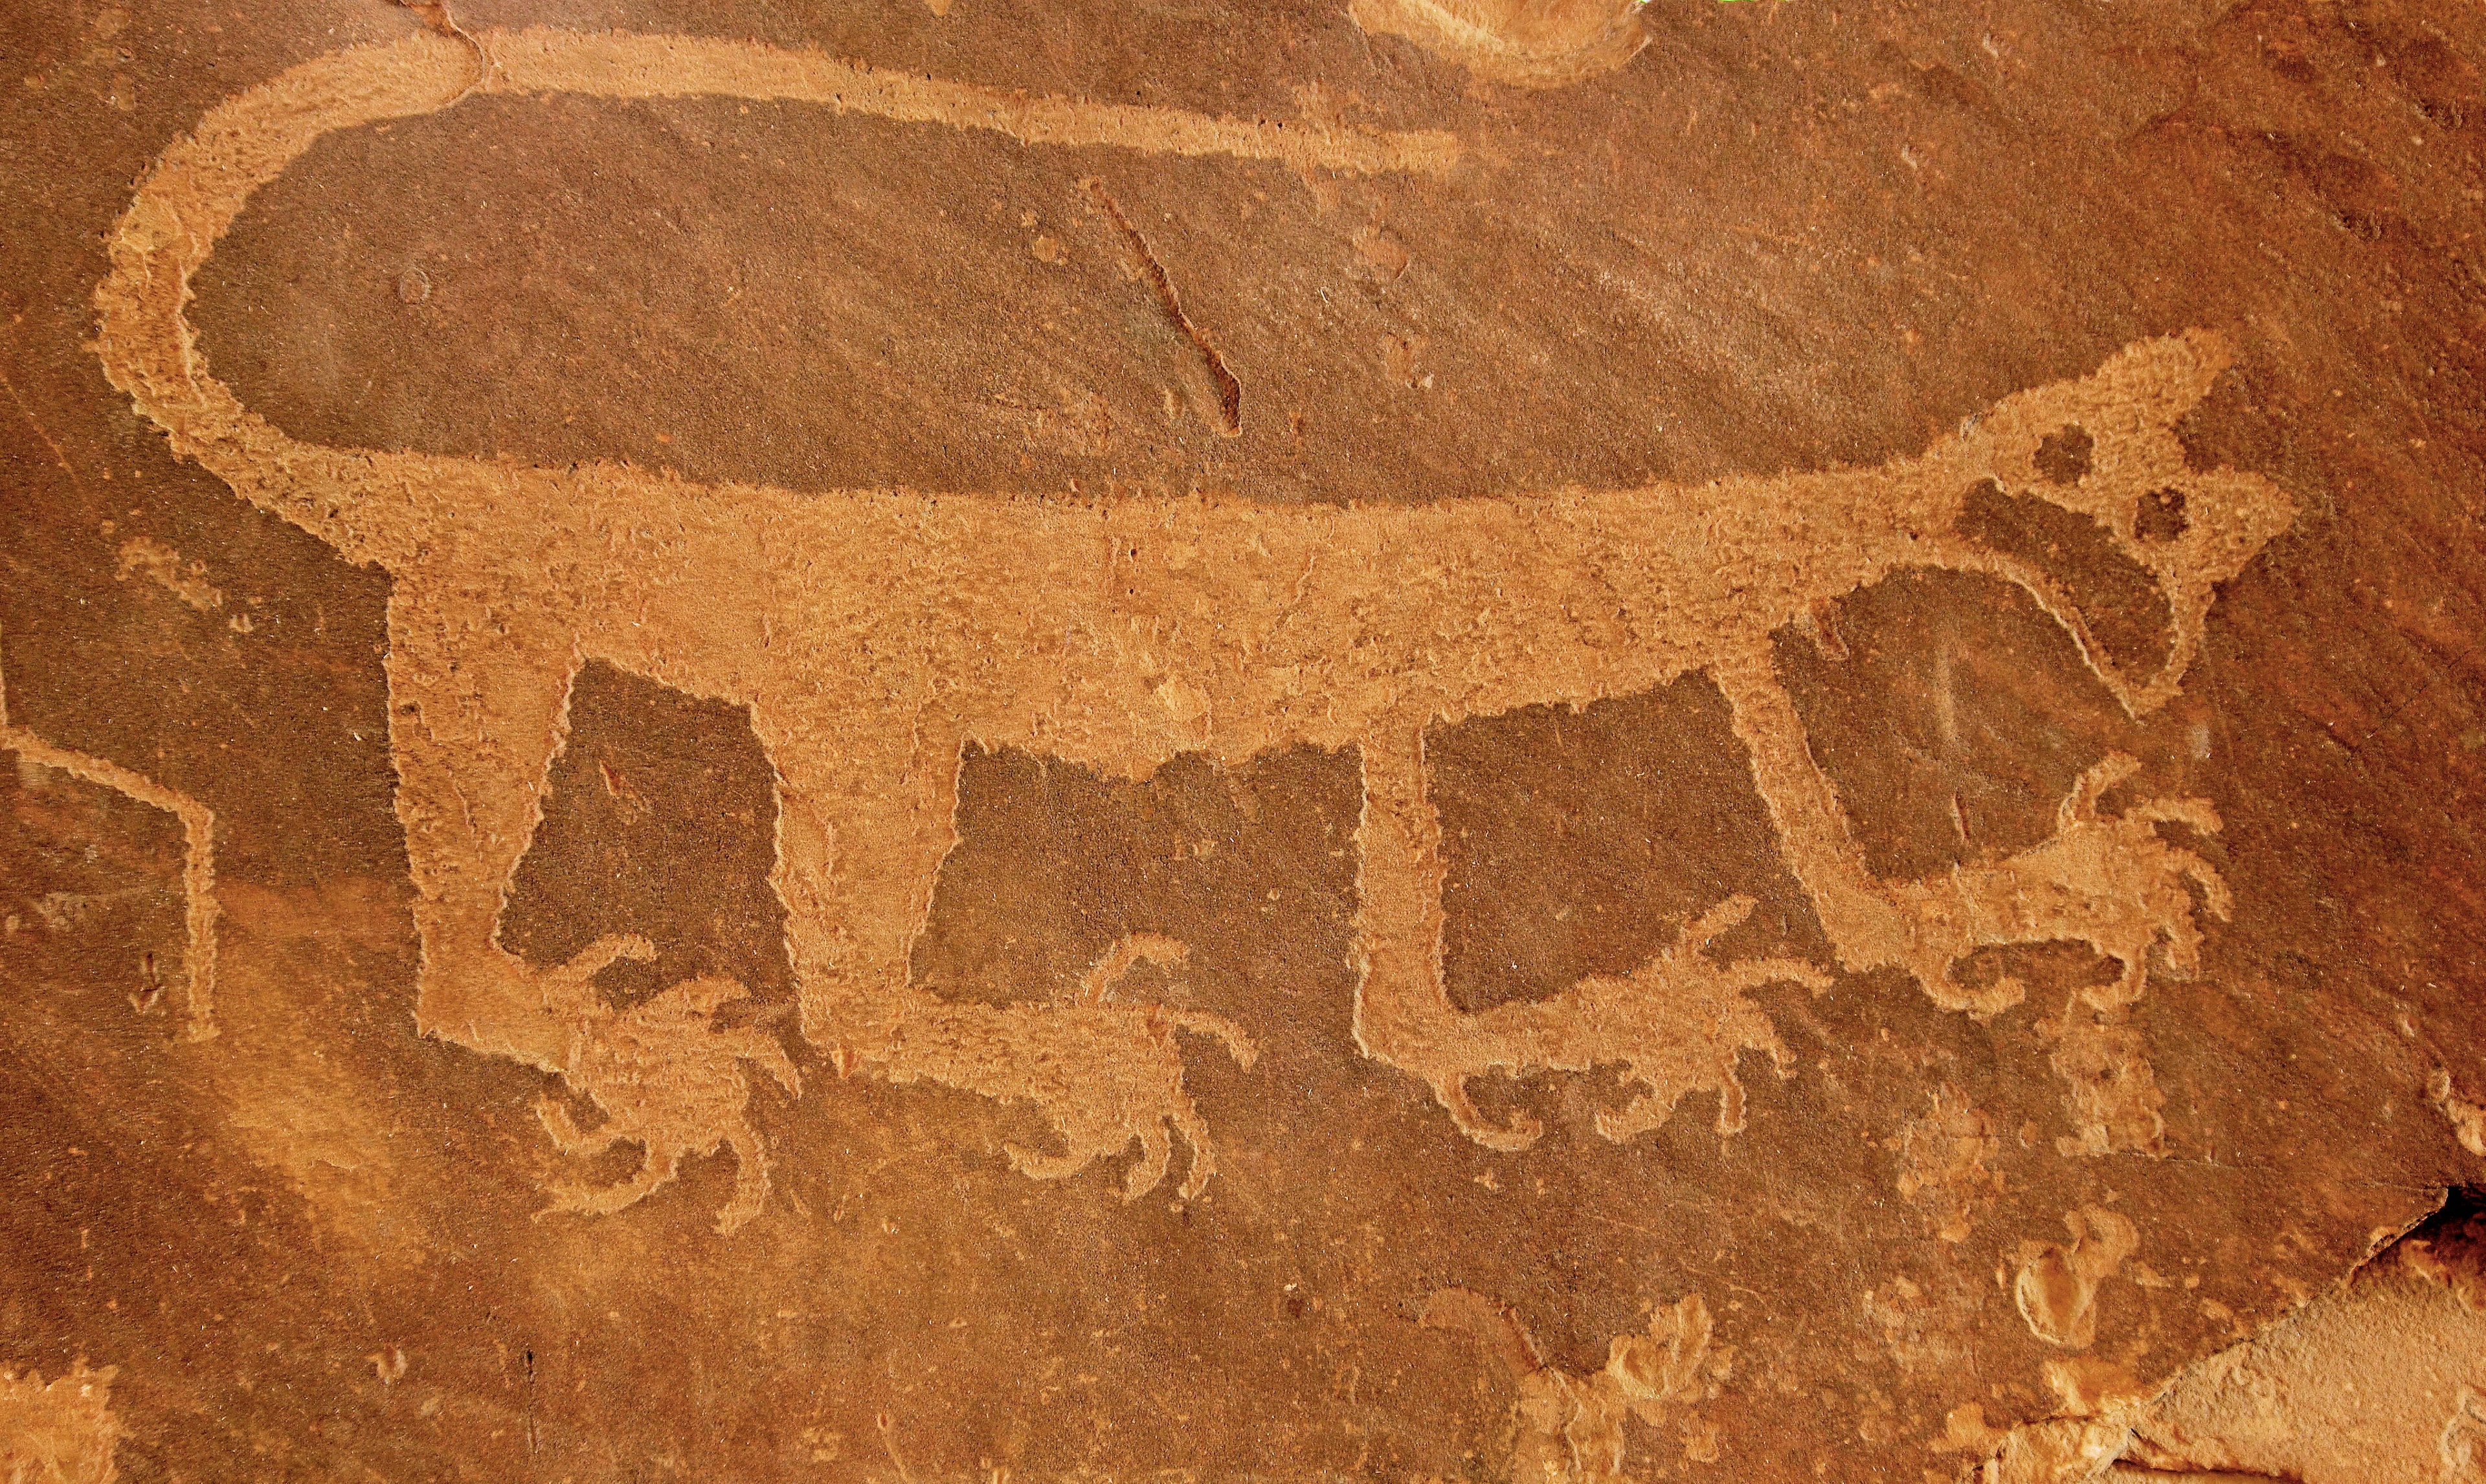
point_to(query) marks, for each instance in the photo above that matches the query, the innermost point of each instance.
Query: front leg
(478, 708)
(1676, 1024)
(2111, 883)
(1403, 1014)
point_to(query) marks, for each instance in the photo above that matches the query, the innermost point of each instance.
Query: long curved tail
(375, 505)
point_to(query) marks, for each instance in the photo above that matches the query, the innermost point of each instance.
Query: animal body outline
(872, 635)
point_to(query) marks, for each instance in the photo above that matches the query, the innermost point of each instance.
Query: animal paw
(1104, 1075)
(668, 1079)
(1120, 1080)
(1702, 1005)
(2110, 881)
(1675, 1024)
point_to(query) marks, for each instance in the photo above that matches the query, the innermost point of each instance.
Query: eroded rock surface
(1446, 740)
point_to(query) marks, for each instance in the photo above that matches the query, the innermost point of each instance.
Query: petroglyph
(1919, 1329)
(60, 1433)
(1535, 43)
(2057, 1287)
(1943, 1164)
(2111, 1091)
(2460, 1446)
(1570, 1428)
(1673, 1026)
(667, 1079)
(875, 635)
(198, 857)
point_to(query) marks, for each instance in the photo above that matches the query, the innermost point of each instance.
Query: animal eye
(2063, 456)
(2161, 516)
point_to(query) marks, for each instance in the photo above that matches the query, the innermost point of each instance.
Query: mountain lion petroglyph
(873, 634)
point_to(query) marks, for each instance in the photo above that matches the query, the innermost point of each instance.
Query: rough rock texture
(1441, 739)
(2384, 1381)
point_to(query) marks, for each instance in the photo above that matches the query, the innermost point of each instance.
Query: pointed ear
(2160, 379)
(2123, 412)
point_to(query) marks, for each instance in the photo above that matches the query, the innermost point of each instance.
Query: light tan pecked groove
(872, 635)
(200, 908)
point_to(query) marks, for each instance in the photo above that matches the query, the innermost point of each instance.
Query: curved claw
(1753, 973)
(1097, 986)
(565, 1134)
(604, 1200)
(1148, 1170)
(1727, 915)
(2196, 814)
(1194, 1129)
(665, 1077)
(2081, 805)
(2215, 894)
(1238, 1045)
(602, 955)
(1981, 1004)
(1156, 1153)
(1521, 1133)
(1621, 1125)
(1103, 1077)
(2125, 989)
(1039, 1166)
(750, 1180)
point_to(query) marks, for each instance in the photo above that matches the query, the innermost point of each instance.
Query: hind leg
(861, 838)
(1403, 1015)
(478, 707)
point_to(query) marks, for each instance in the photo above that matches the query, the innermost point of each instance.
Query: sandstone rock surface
(1431, 740)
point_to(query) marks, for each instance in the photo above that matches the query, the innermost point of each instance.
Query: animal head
(2103, 451)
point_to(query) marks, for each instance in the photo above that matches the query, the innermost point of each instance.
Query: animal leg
(478, 707)
(2106, 881)
(1403, 1016)
(1867, 929)
(860, 853)
(860, 839)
